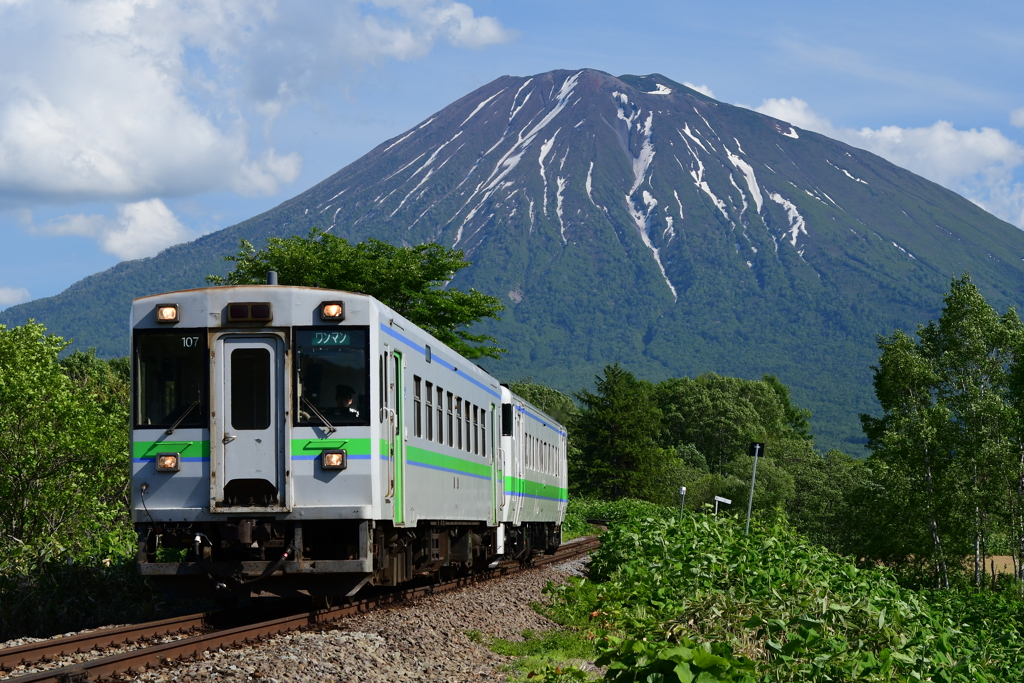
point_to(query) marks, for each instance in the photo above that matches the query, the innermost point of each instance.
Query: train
(297, 440)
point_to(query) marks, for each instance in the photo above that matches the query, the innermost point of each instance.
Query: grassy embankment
(697, 600)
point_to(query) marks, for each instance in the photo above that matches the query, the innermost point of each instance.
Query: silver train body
(300, 440)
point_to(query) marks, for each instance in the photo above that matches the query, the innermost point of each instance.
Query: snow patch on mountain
(401, 139)
(642, 217)
(512, 157)
(698, 179)
(743, 197)
(686, 129)
(797, 224)
(481, 106)
(558, 206)
(590, 184)
(904, 251)
(748, 173)
(705, 122)
(847, 173)
(643, 161)
(661, 90)
(515, 109)
(679, 201)
(545, 149)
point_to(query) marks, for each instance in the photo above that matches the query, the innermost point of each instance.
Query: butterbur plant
(664, 592)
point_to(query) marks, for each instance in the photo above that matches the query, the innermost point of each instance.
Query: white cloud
(13, 295)
(703, 89)
(140, 229)
(979, 164)
(128, 99)
(1017, 117)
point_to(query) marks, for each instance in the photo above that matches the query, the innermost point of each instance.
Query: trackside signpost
(756, 450)
(719, 499)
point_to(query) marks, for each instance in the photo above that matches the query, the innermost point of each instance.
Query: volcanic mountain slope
(633, 219)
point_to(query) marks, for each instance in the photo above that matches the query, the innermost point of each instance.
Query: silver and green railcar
(296, 439)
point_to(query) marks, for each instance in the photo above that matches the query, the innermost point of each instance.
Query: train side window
(451, 420)
(417, 407)
(470, 428)
(506, 419)
(429, 411)
(458, 421)
(483, 431)
(476, 430)
(440, 415)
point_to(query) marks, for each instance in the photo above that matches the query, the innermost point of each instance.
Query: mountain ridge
(638, 220)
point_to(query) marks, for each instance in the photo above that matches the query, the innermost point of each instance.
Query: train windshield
(170, 372)
(332, 382)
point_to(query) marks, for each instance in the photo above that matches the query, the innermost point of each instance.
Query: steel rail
(154, 655)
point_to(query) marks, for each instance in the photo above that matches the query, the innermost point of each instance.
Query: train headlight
(334, 459)
(167, 462)
(332, 310)
(167, 313)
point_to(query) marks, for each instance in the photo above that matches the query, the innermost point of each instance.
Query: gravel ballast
(423, 641)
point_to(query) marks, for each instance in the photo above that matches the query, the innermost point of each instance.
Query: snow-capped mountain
(633, 219)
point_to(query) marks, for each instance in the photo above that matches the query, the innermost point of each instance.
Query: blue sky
(130, 125)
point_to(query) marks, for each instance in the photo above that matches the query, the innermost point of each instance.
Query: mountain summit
(633, 219)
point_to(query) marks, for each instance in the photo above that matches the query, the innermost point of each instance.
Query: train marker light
(332, 310)
(167, 313)
(250, 312)
(336, 459)
(167, 462)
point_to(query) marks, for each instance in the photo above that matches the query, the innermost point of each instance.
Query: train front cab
(253, 459)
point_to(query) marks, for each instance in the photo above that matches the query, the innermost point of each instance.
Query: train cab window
(332, 376)
(171, 379)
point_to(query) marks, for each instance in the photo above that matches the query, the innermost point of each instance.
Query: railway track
(197, 633)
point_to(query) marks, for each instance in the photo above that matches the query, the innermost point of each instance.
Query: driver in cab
(344, 397)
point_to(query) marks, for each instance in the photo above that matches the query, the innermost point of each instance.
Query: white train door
(246, 423)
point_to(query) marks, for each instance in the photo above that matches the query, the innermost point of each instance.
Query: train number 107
(190, 342)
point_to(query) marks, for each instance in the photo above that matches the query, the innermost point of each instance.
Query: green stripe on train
(534, 488)
(314, 446)
(421, 456)
(189, 450)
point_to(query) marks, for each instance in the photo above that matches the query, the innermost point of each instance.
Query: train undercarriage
(248, 556)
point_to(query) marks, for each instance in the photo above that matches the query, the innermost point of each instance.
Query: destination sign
(332, 338)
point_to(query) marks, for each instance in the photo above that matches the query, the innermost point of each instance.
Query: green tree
(798, 419)
(553, 402)
(615, 432)
(720, 416)
(411, 280)
(63, 451)
(947, 447)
